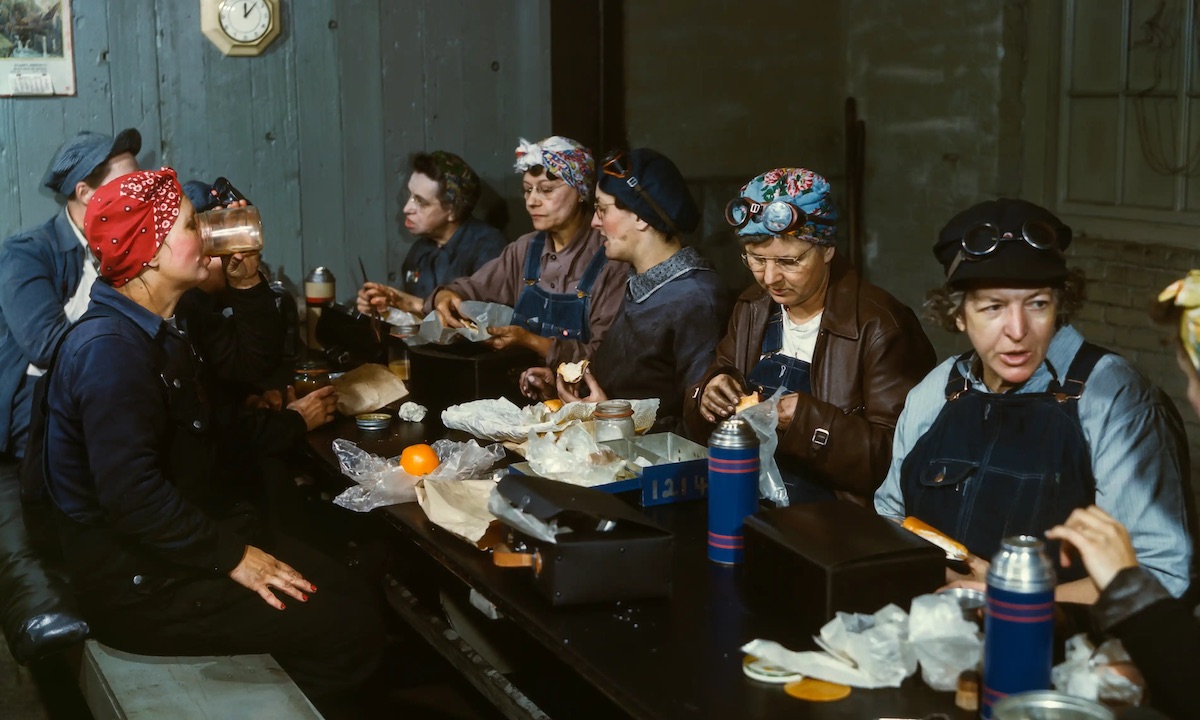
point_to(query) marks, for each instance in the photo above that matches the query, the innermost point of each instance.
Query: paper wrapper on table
(479, 315)
(611, 552)
(1185, 295)
(1092, 673)
(502, 420)
(866, 651)
(412, 412)
(367, 388)
(573, 456)
(458, 506)
(809, 561)
(945, 643)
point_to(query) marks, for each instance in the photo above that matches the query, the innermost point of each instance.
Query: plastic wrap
(763, 418)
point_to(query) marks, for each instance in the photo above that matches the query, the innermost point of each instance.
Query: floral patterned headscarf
(804, 189)
(562, 156)
(128, 219)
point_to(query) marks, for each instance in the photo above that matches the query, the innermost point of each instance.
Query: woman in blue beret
(844, 352)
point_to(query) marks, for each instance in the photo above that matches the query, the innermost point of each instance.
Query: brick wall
(1123, 280)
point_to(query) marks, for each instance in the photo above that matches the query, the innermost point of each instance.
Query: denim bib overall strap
(556, 315)
(775, 371)
(994, 465)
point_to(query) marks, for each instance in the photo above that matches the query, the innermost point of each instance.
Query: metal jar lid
(613, 409)
(319, 274)
(1021, 566)
(1049, 704)
(733, 432)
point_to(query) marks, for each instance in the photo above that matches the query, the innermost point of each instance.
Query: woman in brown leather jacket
(845, 352)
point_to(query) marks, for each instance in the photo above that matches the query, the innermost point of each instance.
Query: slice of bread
(572, 372)
(748, 401)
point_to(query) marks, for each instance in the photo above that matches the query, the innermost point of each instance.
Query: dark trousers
(329, 645)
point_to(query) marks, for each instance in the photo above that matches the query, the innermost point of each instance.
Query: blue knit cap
(660, 180)
(85, 152)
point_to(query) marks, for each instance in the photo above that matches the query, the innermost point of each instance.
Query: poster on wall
(36, 57)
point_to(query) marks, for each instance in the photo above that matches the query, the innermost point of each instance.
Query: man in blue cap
(675, 308)
(46, 274)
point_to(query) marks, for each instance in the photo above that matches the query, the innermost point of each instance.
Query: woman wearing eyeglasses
(563, 290)
(844, 352)
(1033, 422)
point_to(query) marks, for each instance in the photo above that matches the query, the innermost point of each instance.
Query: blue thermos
(732, 488)
(1018, 640)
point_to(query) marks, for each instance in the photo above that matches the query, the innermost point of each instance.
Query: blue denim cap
(85, 152)
(658, 178)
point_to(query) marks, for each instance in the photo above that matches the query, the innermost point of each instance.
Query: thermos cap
(1021, 565)
(319, 274)
(733, 432)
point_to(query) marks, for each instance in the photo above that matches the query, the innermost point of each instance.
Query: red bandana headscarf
(128, 219)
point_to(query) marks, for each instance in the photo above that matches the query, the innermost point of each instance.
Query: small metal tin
(373, 421)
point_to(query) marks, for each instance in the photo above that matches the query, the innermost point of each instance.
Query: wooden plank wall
(318, 130)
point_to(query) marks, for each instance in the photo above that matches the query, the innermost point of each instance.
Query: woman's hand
(537, 383)
(569, 392)
(317, 407)
(259, 571)
(502, 337)
(374, 298)
(975, 576)
(448, 306)
(787, 410)
(241, 270)
(720, 397)
(1102, 543)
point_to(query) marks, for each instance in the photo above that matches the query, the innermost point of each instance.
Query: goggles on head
(778, 217)
(982, 239)
(614, 166)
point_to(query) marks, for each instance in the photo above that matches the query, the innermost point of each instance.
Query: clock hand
(246, 9)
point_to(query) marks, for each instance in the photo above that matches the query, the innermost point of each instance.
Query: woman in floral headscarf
(844, 352)
(442, 192)
(564, 292)
(164, 558)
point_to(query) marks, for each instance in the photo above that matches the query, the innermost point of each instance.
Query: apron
(996, 465)
(556, 315)
(775, 371)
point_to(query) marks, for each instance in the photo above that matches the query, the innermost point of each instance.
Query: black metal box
(444, 375)
(809, 561)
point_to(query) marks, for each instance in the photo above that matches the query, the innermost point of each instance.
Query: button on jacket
(870, 352)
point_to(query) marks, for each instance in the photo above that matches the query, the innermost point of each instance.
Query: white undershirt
(78, 303)
(799, 339)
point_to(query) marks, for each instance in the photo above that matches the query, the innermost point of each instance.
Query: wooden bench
(122, 686)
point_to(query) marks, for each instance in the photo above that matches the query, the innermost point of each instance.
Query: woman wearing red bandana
(164, 555)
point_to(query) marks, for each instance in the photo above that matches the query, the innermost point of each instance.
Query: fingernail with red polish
(303, 597)
(312, 588)
(282, 606)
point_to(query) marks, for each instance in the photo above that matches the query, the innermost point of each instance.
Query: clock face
(245, 21)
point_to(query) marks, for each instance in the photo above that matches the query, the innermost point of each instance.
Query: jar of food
(225, 231)
(310, 376)
(613, 420)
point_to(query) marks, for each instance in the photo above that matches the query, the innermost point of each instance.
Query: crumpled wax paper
(500, 419)
(763, 417)
(944, 641)
(573, 457)
(381, 481)
(1097, 674)
(479, 315)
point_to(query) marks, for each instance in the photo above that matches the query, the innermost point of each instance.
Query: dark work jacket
(1161, 634)
(870, 352)
(134, 461)
(428, 266)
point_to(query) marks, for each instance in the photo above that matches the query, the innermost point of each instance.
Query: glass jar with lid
(613, 420)
(310, 376)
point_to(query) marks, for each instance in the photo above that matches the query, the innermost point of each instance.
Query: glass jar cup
(613, 420)
(309, 377)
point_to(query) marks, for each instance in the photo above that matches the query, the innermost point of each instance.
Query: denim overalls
(995, 465)
(775, 371)
(556, 315)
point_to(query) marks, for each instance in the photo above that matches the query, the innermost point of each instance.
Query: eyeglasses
(614, 166)
(982, 239)
(777, 216)
(788, 264)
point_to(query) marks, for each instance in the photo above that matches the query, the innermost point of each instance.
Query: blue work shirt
(1137, 448)
(428, 266)
(40, 270)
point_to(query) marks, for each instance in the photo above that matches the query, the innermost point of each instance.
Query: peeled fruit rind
(572, 372)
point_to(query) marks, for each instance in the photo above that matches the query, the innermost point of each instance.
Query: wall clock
(240, 27)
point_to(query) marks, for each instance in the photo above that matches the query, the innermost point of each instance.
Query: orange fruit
(553, 404)
(418, 460)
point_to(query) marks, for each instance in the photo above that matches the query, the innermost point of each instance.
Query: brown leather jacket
(870, 352)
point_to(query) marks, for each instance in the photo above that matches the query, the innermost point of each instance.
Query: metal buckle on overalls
(966, 385)
(1063, 395)
(530, 283)
(631, 181)
(820, 437)
(580, 294)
